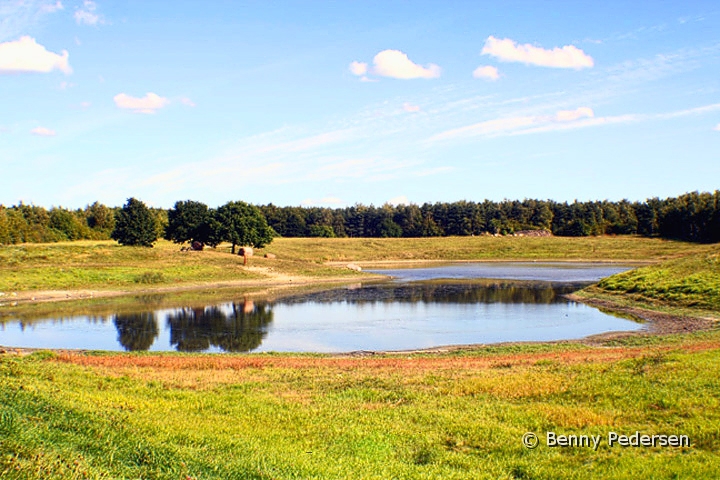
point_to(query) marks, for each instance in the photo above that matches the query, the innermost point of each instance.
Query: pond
(421, 308)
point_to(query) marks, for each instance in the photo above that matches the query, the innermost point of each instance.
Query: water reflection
(456, 293)
(136, 331)
(388, 316)
(237, 327)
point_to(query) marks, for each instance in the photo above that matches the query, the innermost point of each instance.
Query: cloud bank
(26, 55)
(506, 50)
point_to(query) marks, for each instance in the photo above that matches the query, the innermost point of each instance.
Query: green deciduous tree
(242, 224)
(189, 221)
(135, 225)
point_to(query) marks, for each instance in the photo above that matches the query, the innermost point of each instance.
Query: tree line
(692, 217)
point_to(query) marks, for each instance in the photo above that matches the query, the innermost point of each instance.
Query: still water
(421, 308)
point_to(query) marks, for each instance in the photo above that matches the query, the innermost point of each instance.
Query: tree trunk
(233, 248)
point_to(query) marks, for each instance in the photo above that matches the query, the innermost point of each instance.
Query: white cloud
(87, 16)
(487, 72)
(43, 132)
(511, 125)
(26, 55)
(187, 101)
(717, 127)
(396, 64)
(393, 64)
(399, 200)
(507, 50)
(358, 68)
(150, 103)
(410, 108)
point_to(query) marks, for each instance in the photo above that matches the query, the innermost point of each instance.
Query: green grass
(273, 416)
(284, 417)
(618, 248)
(105, 265)
(690, 282)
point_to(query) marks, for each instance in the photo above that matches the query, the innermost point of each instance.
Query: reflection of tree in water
(488, 292)
(136, 331)
(240, 328)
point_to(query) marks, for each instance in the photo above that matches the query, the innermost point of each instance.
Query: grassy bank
(690, 283)
(105, 265)
(448, 416)
(108, 266)
(604, 248)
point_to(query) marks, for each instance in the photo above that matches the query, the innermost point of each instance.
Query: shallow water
(399, 315)
(556, 272)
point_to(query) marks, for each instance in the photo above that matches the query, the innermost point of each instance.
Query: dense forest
(693, 216)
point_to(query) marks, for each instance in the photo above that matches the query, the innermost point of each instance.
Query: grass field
(690, 282)
(456, 415)
(105, 265)
(302, 416)
(605, 248)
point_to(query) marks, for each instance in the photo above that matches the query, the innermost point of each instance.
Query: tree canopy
(243, 224)
(135, 225)
(190, 221)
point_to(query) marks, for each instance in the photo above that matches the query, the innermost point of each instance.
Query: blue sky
(337, 103)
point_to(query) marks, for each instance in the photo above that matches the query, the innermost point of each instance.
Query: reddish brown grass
(402, 365)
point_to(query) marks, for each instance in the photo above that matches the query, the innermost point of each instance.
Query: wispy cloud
(52, 7)
(717, 127)
(18, 17)
(487, 72)
(410, 108)
(504, 126)
(87, 14)
(508, 50)
(150, 103)
(689, 111)
(43, 132)
(395, 64)
(582, 117)
(316, 141)
(26, 55)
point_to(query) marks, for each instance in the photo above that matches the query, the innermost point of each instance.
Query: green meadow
(460, 414)
(307, 416)
(105, 265)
